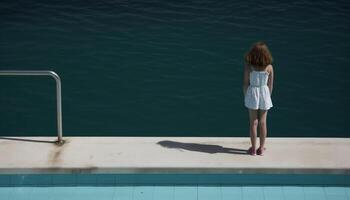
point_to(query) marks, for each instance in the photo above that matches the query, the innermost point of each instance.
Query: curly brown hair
(259, 55)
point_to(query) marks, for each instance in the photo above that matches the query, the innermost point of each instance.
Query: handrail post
(60, 140)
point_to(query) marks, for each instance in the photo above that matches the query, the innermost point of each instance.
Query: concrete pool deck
(34, 155)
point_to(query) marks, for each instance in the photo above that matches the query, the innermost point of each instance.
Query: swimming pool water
(172, 68)
(175, 193)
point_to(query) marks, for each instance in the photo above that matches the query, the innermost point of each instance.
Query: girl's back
(257, 89)
(258, 78)
(258, 95)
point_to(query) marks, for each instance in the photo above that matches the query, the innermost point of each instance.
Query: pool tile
(6, 192)
(232, 193)
(167, 179)
(159, 179)
(106, 191)
(209, 192)
(229, 179)
(63, 179)
(337, 198)
(314, 193)
(209, 178)
(21, 193)
(41, 193)
(273, 193)
(150, 179)
(143, 192)
(125, 179)
(177, 179)
(17, 180)
(253, 193)
(293, 192)
(63, 193)
(163, 192)
(185, 179)
(175, 193)
(106, 179)
(5, 180)
(94, 193)
(86, 179)
(38, 179)
(326, 179)
(185, 193)
(334, 193)
(249, 178)
(123, 193)
(347, 191)
(31, 179)
(335, 190)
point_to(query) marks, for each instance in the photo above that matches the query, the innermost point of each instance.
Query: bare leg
(262, 128)
(253, 121)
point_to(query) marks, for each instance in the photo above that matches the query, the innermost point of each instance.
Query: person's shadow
(206, 148)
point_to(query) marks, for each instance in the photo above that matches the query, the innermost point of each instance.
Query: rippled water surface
(172, 68)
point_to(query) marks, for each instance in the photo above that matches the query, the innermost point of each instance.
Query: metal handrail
(58, 93)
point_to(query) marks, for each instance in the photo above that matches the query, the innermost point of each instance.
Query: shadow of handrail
(26, 140)
(206, 148)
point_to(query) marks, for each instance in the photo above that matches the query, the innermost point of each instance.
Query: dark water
(172, 68)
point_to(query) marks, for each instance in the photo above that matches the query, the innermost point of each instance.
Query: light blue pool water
(174, 187)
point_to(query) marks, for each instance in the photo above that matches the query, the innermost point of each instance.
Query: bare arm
(246, 79)
(270, 81)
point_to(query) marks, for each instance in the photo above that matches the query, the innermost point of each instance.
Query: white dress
(258, 94)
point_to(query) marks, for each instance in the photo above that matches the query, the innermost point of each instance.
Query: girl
(257, 89)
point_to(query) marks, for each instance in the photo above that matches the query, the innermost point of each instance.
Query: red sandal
(260, 151)
(251, 151)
